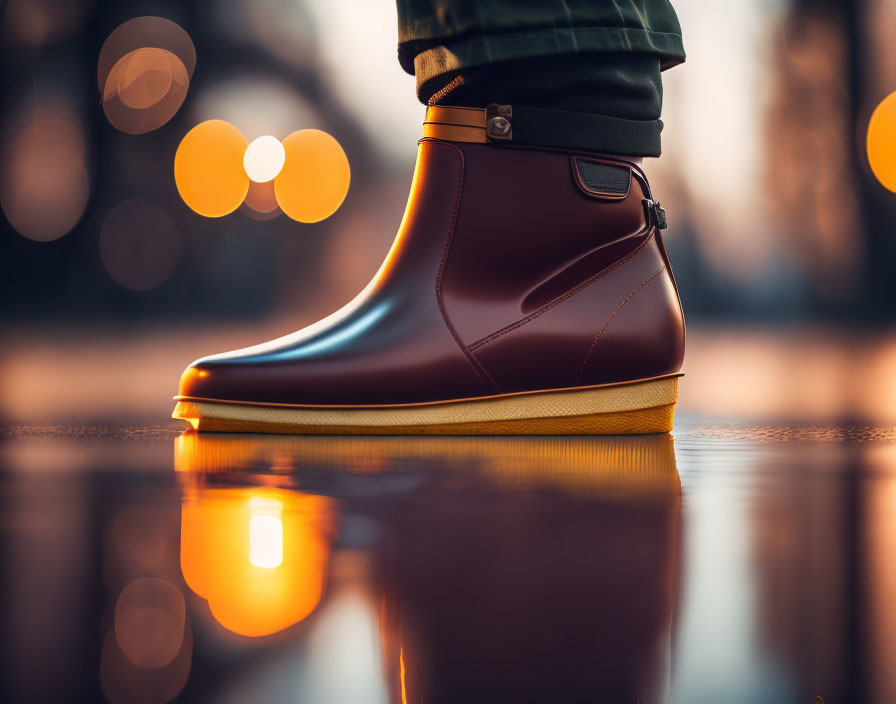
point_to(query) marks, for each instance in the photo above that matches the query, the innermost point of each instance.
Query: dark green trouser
(599, 59)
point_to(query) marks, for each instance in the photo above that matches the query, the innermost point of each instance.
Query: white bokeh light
(265, 532)
(264, 158)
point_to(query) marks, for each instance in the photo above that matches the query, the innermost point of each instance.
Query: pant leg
(600, 59)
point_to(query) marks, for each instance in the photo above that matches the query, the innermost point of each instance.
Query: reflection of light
(149, 622)
(264, 158)
(258, 576)
(636, 465)
(265, 533)
(881, 142)
(404, 693)
(208, 168)
(333, 340)
(344, 657)
(315, 176)
(45, 184)
(139, 245)
(880, 507)
(124, 682)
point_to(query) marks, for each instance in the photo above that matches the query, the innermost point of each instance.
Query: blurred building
(774, 212)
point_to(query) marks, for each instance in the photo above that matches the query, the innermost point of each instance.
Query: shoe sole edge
(637, 407)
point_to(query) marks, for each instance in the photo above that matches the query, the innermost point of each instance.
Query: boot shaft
(554, 274)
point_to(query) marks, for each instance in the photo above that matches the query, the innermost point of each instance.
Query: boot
(527, 292)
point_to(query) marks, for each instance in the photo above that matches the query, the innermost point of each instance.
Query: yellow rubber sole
(628, 408)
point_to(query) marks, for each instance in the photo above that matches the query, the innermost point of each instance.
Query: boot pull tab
(602, 179)
(656, 214)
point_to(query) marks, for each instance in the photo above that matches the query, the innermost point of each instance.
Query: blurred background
(755, 570)
(782, 238)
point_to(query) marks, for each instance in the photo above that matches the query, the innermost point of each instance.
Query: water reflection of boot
(545, 593)
(508, 569)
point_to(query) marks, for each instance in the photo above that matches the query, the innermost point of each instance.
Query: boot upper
(509, 273)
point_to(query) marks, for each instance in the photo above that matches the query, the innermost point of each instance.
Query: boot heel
(611, 409)
(646, 420)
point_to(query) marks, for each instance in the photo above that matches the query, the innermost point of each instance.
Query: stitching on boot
(610, 320)
(558, 301)
(480, 371)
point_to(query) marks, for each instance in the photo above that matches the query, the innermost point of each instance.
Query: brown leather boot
(527, 292)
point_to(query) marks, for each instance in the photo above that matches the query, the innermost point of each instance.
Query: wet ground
(729, 563)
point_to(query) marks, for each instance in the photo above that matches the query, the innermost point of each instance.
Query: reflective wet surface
(727, 563)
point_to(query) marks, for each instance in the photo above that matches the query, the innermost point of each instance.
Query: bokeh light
(149, 622)
(124, 682)
(145, 77)
(144, 71)
(45, 182)
(208, 168)
(139, 245)
(315, 176)
(264, 158)
(261, 203)
(140, 32)
(258, 555)
(144, 90)
(881, 142)
(35, 23)
(266, 532)
(136, 545)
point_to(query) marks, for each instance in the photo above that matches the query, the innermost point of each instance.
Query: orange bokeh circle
(881, 142)
(315, 177)
(224, 560)
(208, 168)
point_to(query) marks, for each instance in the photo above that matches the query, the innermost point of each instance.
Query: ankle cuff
(504, 124)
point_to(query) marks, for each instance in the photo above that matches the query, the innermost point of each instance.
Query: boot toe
(244, 376)
(197, 381)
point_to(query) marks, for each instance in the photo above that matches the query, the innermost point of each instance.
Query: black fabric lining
(589, 132)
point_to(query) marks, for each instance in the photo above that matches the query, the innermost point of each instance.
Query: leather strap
(534, 126)
(455, 124)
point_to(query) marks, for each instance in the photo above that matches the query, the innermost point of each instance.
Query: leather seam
(478, 369)
(610, 320)
(569, 294)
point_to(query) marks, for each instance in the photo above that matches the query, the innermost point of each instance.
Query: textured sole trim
(626, 408)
